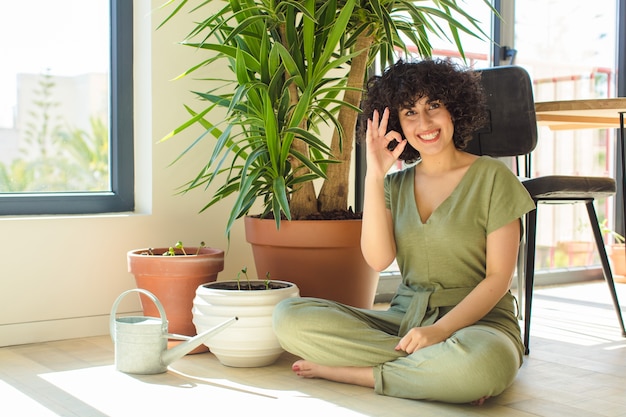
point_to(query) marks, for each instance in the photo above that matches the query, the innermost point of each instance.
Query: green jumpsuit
(441, 261)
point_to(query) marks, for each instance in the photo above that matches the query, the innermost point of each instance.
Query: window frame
(620, 221)
(121, 150)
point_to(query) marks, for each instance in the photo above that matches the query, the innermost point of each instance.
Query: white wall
(60, 275)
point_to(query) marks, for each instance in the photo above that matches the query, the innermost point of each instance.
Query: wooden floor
(576, 367)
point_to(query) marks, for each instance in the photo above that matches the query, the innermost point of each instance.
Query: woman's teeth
(429, 136)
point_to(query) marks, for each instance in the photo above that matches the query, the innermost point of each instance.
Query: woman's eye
(435, 105)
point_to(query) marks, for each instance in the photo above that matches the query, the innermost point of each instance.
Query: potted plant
(172, 274)
(295, 68)
(616, 252)
(250, 342)
(574, 252)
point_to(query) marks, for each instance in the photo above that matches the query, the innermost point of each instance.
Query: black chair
(512, 132)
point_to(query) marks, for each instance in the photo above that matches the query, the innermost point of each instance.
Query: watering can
(141, 342)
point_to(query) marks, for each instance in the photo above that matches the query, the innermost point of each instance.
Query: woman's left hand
(421, 337)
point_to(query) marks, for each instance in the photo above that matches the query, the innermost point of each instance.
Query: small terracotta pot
(174, 280)
(322, 257)
(617, 255)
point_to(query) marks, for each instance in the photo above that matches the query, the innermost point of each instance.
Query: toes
(480, 401)
(299, 366)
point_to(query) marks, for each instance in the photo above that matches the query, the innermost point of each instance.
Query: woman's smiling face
(427, 125)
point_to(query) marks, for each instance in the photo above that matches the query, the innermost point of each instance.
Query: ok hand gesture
(379, 158)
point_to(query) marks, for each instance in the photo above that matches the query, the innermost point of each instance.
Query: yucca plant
(297, 66)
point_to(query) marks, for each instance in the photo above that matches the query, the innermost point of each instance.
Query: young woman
(452, 221)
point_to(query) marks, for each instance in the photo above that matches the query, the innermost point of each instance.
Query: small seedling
(179, 245)
(202, 245)
(243, 271)
(172, 250)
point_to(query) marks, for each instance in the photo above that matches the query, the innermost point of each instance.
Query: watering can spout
(170, 355)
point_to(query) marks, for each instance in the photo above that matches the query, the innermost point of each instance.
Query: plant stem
(202, 245)
(333, 195)
(303, 200)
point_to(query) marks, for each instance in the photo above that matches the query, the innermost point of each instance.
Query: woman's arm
(377, 239)
(502, 249)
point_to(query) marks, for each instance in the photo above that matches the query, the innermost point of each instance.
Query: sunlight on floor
(137, 395)
(620, 346)
(17, 400)
(567, 315)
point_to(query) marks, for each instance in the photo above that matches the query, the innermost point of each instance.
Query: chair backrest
(512, 126)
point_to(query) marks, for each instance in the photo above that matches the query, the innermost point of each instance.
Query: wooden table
(600, 113)
(603, 113)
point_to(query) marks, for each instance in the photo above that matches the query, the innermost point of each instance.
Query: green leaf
(272, 136)
(280, 196)
(337, 32)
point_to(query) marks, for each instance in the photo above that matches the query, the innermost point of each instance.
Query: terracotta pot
(250, 341)
(174, 280)
(617, 256)
(322, 257)
(578, 253)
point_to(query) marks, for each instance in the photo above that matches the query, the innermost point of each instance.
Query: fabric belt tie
(425, 303)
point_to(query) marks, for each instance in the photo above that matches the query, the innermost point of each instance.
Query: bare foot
(306, 369)
(347, 374)
(480, 401)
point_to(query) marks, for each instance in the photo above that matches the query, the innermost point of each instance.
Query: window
(567, 63)
(66, 119)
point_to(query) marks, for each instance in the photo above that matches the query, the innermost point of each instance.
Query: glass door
(569, 49)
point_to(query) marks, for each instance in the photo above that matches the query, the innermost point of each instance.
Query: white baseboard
(50, 330)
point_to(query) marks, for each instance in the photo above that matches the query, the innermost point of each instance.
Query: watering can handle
(147, 294)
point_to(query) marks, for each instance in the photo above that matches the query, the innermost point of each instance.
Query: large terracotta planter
(322, 257)
(174, 280)
(250, 341)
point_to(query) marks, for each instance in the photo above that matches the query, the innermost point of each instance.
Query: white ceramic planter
(250, 341)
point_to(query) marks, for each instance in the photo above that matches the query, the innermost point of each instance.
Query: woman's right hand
(379, 158)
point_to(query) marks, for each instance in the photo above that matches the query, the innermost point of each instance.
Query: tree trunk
(302, 201)
(334, 193)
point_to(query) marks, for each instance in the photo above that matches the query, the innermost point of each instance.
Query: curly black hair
(404, 83)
